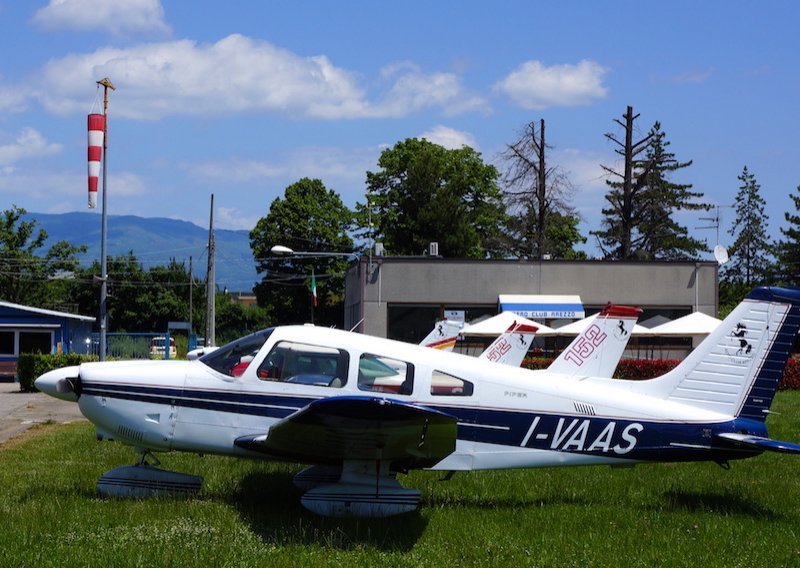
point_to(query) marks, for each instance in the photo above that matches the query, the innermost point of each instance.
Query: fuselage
(507, 417)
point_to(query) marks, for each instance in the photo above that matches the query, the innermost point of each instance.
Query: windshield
(242, 350)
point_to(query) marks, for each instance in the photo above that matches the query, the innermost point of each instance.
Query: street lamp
(281, 250)
(284, 251)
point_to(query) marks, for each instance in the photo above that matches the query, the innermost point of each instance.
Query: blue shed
(24, 329)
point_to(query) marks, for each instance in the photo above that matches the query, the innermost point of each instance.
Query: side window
(383, 374)
(298, 363)
(443, 384)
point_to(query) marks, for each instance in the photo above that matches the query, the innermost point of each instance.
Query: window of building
(35, 341)
(445, 384)
(384, 374)
(7, 343)
(298, 363)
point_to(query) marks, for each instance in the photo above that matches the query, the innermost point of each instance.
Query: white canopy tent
(694, 324)
(496, 325)
(577, 327)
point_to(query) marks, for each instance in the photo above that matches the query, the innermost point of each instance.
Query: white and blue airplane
(362, 410)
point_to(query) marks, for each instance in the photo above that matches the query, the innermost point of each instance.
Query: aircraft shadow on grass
(718, 504)
(269, 504)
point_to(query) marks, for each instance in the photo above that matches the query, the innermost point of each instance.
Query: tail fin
(511, 346)
(735, 371)
(596, 351)
(443, 336)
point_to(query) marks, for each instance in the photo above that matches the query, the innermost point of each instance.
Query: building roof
(496, 325)
(43, 312)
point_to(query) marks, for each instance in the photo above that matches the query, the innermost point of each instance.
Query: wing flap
(760, 443)
(359, 428)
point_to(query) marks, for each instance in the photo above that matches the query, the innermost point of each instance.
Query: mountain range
(154, 241)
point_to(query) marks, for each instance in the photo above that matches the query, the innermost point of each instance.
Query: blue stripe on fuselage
(639, 440)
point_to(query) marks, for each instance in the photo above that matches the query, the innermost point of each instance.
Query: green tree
(788, 249)
(751, 253)
(561, 236)
(541, 221)
(662, 238)
(312, 219)
(639, 222)
(141, 300)
(425, 193)
(26, 277)
(234, 320)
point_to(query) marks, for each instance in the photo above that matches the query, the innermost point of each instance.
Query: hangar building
(402, 297)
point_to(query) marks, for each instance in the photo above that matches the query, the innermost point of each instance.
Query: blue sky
(242, 98)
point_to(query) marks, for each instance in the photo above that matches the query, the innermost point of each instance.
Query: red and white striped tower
(97, 127)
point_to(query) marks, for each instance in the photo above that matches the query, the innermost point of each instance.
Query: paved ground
(21, 410)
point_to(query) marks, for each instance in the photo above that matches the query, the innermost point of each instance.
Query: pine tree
(788, 251)
(639, 223)
(617, 238)
(661, 236)
(750, 255)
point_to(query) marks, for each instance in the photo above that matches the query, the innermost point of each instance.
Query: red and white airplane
(595, 352)
(443, 336)
(362, 410)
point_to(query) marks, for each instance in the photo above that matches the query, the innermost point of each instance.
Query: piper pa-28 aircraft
(362, 409)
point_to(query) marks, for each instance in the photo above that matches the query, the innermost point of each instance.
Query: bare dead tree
(622, 217)
(534, 190)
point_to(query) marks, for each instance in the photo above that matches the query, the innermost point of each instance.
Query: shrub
(640, 369)
(32, 365)
(791, 375)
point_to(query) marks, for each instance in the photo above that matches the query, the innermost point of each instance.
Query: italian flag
(313, 287)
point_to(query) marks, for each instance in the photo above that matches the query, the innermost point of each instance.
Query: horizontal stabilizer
(759, 443)
(359, 428)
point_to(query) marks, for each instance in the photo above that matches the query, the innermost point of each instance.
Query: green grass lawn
(248, 513)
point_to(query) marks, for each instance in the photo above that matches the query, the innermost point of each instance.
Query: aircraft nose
(56, 383)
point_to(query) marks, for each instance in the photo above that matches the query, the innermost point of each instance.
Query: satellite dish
(721, 254)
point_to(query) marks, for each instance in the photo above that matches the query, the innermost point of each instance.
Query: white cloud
(29, 144)
(413, 90)
(233, 218)
(12, 99)
(534, 86)
(112, 16)
(39, 191)
(695, 76)
(337, 168)
(450, 138)
(239, 74)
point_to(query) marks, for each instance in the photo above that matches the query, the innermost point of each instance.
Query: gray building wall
(371, 286)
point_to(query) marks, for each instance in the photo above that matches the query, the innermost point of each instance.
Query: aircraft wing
(760, 443)
(340, 428)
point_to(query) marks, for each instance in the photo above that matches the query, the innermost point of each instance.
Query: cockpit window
(232, 359)
(298, 363)
(445, 384)
(383, 374)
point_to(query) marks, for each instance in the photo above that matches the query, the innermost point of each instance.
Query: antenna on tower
(720, 252)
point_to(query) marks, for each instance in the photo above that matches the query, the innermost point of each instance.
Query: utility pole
(211, 282)
(541, 192)
(191, 286)
(630, 187)
(106, 83)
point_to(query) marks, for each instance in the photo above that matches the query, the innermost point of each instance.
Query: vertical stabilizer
(596, 351)
(511, 346)
(443, 336)
(736, 370)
